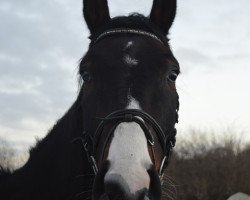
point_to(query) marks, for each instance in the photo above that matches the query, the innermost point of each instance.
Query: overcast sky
(41, 43)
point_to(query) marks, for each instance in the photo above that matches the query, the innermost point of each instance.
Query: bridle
(90, 142)
(167, 141)
(125, 31)
(146, 122)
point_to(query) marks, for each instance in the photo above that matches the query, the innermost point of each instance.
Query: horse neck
(55, 161)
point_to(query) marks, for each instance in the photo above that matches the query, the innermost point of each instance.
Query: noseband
(166, 140)
(90, 141)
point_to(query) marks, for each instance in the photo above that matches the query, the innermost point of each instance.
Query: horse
(115, 141)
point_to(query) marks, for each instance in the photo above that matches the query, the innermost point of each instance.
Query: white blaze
(129, 44)
(130, 61)
(128, 154)
(133, 104)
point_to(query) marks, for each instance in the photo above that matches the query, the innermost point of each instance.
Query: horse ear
(96, 13)
(163, 14)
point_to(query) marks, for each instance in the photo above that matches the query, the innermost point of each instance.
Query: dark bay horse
(115, 140)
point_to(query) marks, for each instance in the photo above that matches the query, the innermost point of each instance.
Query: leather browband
(126, 31)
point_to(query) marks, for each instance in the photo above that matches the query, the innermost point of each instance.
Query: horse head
(129, 99)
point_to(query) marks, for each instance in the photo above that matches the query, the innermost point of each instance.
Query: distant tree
(208, 169)
(7, 154)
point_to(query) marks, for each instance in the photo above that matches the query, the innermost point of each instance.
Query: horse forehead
(130, 49)
(127, 56)
(125, 43)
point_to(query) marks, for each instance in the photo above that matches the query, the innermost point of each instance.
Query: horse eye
(85, 76)
(172, 76)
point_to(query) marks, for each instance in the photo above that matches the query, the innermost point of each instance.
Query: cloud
(42, 42)
(120, 7)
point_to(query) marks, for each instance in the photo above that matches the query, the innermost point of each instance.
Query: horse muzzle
(110, 186)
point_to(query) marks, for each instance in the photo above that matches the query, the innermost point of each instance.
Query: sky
(41, 43)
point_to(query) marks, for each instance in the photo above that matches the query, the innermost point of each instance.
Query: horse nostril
(116, 188)
(142, 194)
